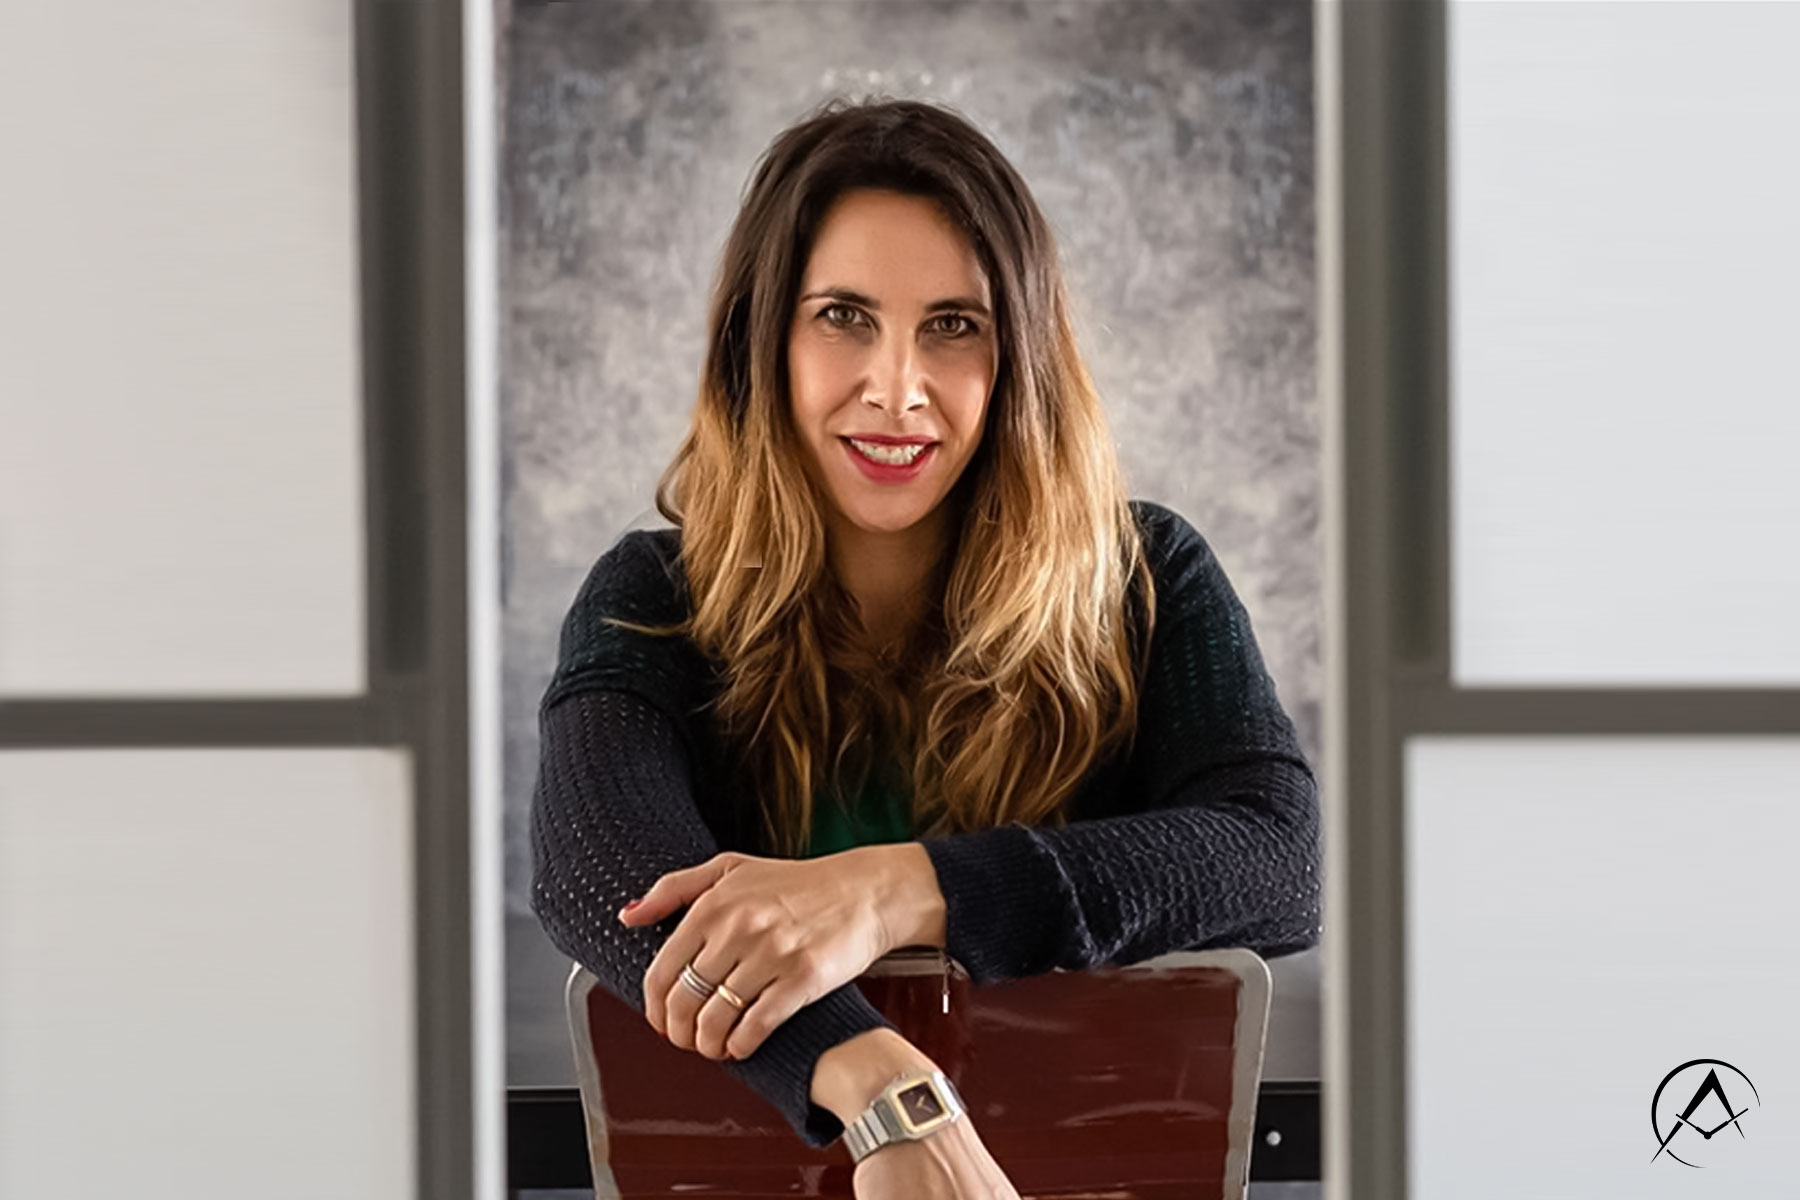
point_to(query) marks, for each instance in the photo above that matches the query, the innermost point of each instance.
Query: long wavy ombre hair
(1025, 670)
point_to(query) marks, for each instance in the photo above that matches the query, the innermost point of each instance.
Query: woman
(910, 670)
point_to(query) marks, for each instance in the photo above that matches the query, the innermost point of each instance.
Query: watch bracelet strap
(870, 1131)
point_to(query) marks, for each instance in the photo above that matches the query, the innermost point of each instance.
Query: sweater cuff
(781, 1069)
(996, 884)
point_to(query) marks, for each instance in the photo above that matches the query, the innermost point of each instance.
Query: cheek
(973, 400)
(804, 390)
(815, 377)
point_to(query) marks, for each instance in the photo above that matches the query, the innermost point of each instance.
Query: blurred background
(339, 337)
(1171, 147)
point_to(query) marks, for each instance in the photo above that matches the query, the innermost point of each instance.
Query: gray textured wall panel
(1171, 146)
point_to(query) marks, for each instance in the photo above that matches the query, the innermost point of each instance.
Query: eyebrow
(851, 296)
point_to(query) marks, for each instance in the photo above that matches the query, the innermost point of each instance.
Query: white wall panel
(181, 507)
(206, 975)
(1585, 915)
(1625, 416)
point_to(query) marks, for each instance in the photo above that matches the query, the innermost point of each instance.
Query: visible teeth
(892, 455)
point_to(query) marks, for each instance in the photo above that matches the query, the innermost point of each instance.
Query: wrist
(912, 905)
(849, 1076)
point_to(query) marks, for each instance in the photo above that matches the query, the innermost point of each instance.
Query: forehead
(888, 244)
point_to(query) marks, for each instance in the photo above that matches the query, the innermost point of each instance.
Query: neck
(886, 572)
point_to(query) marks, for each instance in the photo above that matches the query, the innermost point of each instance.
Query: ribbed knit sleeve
(615, 808)
(1218, 841)
(640, 580)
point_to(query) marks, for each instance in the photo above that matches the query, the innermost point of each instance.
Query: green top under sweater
(882, 812)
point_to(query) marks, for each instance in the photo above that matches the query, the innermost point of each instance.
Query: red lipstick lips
(880, 472)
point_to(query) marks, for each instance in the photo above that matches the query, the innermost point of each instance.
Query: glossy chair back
(1136, 1081)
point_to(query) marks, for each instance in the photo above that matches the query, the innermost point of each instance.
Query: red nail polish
(631, 904)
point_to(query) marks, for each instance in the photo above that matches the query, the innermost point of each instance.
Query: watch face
(920, 1104)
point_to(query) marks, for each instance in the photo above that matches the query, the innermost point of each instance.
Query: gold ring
(697, 985)
(730, 997)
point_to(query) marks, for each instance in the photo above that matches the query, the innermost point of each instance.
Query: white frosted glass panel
(206, 981)
(1625, 394)
(1585, 915)
(180, 424)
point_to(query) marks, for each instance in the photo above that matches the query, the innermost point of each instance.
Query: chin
(884, 518)
(886, 523)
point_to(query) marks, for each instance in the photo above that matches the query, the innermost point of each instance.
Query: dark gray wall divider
(410, 106)
(1387, 373)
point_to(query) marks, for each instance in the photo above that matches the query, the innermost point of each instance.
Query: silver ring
(695, 984)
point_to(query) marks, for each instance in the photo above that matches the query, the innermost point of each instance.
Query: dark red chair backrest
(1136, 1081)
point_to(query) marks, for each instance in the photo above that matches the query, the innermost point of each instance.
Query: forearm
(853, 1073)
(1235, 865)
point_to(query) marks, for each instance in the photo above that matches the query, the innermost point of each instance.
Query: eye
(967, 329)
(826, 312)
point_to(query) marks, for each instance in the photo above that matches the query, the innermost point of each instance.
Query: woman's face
(892, 340)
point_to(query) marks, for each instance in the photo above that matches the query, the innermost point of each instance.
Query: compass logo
(1694, 1103)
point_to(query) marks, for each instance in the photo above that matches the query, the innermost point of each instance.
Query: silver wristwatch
(907, 1109)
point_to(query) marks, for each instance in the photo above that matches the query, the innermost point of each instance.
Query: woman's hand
(778, 933)
(951, 1163)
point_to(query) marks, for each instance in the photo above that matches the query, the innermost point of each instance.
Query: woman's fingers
(773, 989)
(676, 889)
(798, 929)
(786, 994)
(683, 1004)
(663, 978)
(718, 1016)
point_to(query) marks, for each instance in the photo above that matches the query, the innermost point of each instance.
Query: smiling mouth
(887, 455)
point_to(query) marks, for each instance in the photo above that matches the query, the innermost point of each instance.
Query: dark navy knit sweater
(1206, 835)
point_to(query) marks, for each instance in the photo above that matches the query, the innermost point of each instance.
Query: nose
(896, 385)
